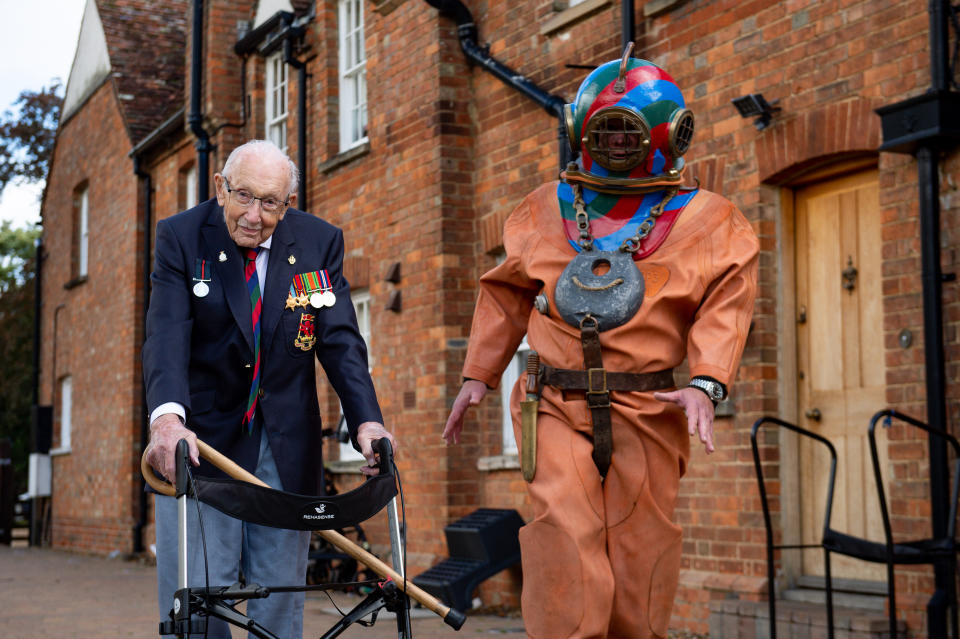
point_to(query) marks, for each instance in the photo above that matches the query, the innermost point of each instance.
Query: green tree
(27, 135)
(17, 256)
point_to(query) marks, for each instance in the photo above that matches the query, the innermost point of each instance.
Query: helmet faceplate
(650, 104)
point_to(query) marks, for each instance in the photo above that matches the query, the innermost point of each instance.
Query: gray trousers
(267, 556)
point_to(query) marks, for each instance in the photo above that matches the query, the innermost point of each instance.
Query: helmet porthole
(681, 132)
(616, 138)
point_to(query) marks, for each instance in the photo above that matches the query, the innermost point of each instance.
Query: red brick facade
(451, 150)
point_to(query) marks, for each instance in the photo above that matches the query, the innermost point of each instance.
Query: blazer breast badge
(305, 333)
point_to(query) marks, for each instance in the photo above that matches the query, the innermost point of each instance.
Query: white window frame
(353, 74)
(511, 374)
(361, 305)
(190, 188)
(66, 416)
(276, 101)
(83, 234)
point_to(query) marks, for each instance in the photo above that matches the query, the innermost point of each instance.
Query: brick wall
(452, 150)
(97, 334)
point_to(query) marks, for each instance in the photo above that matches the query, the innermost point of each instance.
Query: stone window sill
(77, 281)
(346, 157)
(499, 462)
(573, 14)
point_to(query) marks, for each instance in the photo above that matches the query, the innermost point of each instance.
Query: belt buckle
(593, 391)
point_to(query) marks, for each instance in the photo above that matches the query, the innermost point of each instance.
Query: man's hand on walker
(165, 432)
(367, 432)
(470, 394)
(699, 410)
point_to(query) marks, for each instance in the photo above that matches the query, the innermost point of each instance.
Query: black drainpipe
(196, 108)
(628, 31)
(301, 68)
(924, 126)
(37, 306)
(35, 411)
(141, 523)
(467, 32)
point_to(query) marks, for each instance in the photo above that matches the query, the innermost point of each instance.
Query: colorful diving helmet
(631, 126)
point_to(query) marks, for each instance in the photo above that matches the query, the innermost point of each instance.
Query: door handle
(814, 414)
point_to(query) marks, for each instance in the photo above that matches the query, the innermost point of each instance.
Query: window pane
(276, 101)
(190, 184)
(84, 233)
(353, 94)
(361, 304)
(66, 412)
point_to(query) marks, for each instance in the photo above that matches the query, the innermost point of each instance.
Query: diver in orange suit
(608, 441)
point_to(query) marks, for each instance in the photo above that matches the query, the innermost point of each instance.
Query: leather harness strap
(597, 384)
(574, 380)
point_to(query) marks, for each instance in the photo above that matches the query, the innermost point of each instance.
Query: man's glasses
(245, 197)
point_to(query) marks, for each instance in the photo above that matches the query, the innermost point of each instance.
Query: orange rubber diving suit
(601, 557)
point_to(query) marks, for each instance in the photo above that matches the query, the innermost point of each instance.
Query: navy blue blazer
(199, 350)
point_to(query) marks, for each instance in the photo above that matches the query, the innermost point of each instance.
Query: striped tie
(253, 288)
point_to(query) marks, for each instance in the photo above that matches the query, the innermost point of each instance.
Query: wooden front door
(840, 358)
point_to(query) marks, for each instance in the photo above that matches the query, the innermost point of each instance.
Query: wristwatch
(714, 390)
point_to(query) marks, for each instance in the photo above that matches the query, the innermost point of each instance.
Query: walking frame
(246, 497)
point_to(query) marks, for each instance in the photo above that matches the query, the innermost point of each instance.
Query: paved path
(49, 594)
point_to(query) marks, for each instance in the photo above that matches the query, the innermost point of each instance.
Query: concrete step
(736, 619)
(840, 599)
(20, 538)
(847, 593)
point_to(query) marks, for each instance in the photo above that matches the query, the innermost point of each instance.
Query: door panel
(840, 358)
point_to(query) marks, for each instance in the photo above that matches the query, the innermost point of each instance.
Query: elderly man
(245, 293)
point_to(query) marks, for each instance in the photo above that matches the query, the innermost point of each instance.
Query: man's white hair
(262, 147)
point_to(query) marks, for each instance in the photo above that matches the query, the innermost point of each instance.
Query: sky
(38, 39)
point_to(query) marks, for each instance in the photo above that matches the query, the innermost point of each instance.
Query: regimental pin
(200, 289)
(223, 256)
(292, 260)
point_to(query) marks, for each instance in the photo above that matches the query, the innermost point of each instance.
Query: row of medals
(317, 299)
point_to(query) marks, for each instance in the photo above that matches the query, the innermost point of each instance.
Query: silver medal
(329, 299)
(200, 289)
(316, 300)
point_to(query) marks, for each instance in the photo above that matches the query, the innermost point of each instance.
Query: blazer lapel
(231, 271)
(280, 274)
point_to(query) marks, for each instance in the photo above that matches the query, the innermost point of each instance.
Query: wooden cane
(452, 617)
